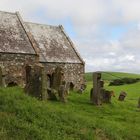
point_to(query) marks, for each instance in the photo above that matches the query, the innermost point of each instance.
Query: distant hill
(112, 75)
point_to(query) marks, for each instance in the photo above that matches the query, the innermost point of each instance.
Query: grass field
(112, 75)
(25, 118)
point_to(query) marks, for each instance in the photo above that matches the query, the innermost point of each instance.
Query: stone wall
(13, 67)
(73, 73)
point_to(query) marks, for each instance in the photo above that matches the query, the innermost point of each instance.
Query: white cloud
(88, 18)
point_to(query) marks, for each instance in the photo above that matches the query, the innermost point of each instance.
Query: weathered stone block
(63, 92)
(36, 81)
(106, 96)
(96, 97)
(122, 96)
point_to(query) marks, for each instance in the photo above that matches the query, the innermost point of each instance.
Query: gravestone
(107, 96)
(57, 78)
(122, 96)
(63, 92)
(36, 81)
(98, 94)
(96, 97)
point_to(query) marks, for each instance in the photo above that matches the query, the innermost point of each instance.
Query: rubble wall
(72, 72)
(13, 67)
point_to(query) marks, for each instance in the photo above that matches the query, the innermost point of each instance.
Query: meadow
(26, 118)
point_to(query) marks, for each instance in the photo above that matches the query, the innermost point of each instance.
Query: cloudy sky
(106, 32)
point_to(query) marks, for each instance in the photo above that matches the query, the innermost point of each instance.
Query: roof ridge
(13, 13)
(72, 44)
(42, 24)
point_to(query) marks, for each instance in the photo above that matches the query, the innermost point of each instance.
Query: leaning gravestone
(36, 81)
(122, 96)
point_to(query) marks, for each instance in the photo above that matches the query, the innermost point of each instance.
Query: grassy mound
(23, 117)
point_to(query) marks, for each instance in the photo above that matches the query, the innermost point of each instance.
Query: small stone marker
(107, 96)
(122, 96)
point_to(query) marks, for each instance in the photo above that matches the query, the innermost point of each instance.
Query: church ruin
(23, 44)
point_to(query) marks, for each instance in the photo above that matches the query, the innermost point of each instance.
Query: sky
(105, 32)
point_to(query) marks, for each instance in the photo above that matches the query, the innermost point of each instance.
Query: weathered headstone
(107, 96)
(139, 103)
(57, 78)
(96, 97)
(63, 92)
(36, 81)
(98, 94)
(122, 96)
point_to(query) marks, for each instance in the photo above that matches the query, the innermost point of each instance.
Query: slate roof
(54, 44)
(13, 38)
(50, 42)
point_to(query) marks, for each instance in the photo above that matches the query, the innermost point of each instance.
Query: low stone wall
(73, 73)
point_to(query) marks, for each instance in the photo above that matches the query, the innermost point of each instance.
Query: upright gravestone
(96, 97)
(98, 94)
(36, 81)
(57, 78)
(63, 92)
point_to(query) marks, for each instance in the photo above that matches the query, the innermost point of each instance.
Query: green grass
(112, 75)
(26, 118)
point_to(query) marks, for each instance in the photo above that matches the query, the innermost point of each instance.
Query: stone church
(24, 43)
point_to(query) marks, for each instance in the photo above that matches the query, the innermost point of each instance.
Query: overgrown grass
(23, 117)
